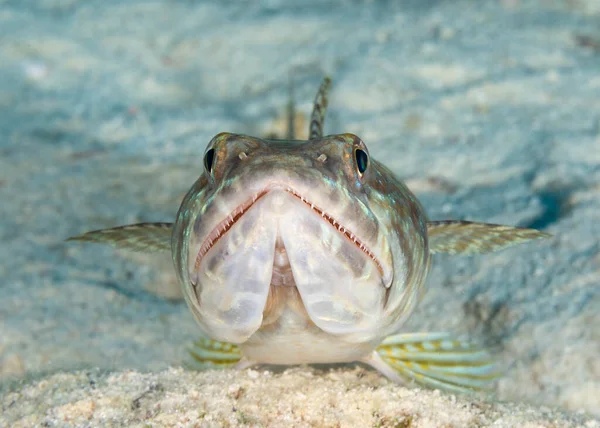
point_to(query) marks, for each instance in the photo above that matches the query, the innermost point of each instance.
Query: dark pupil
(209, 157)
(362, 160)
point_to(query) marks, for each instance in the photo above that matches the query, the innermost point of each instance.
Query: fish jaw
(231, 280)
(340, 281)
(232, 269)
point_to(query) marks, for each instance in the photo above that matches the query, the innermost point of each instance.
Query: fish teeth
(339, 227)
(222, 228)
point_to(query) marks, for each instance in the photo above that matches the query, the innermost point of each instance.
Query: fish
(311, 251)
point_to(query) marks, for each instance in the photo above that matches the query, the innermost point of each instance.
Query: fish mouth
(225, 225)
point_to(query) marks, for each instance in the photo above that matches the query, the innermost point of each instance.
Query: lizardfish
(311, 251)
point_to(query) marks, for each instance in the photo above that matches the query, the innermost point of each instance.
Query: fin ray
(465, 237)
(317, 118)
(207, 353)
(435, 360)
(291, 113)
(421, 373)
(143, 237)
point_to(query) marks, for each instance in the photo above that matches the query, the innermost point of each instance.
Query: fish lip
(223, 227)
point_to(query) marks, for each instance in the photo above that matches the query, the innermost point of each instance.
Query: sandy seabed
(297, 397)
(490, 110)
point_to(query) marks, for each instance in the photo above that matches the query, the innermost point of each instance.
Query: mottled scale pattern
(464, 237)
(146, 237)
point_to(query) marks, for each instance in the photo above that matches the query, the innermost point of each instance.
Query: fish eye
(209, 159)
(362, 160)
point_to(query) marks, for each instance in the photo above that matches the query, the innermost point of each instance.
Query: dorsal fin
(317, 118)
(291, 113)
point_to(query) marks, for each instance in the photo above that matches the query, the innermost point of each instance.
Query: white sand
(300, 397)
(489, 109)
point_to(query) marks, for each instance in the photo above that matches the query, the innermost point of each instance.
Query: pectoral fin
(211, 354)
(436, 360)
(464, 237)
(208, 353)
(144, 237)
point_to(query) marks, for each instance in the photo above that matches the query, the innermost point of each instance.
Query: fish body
(288, 244)
(310, 251)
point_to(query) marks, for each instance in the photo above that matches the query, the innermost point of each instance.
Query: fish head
(268, 215)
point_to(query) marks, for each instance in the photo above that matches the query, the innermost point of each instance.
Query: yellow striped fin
(437, 360)
(208, 353)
